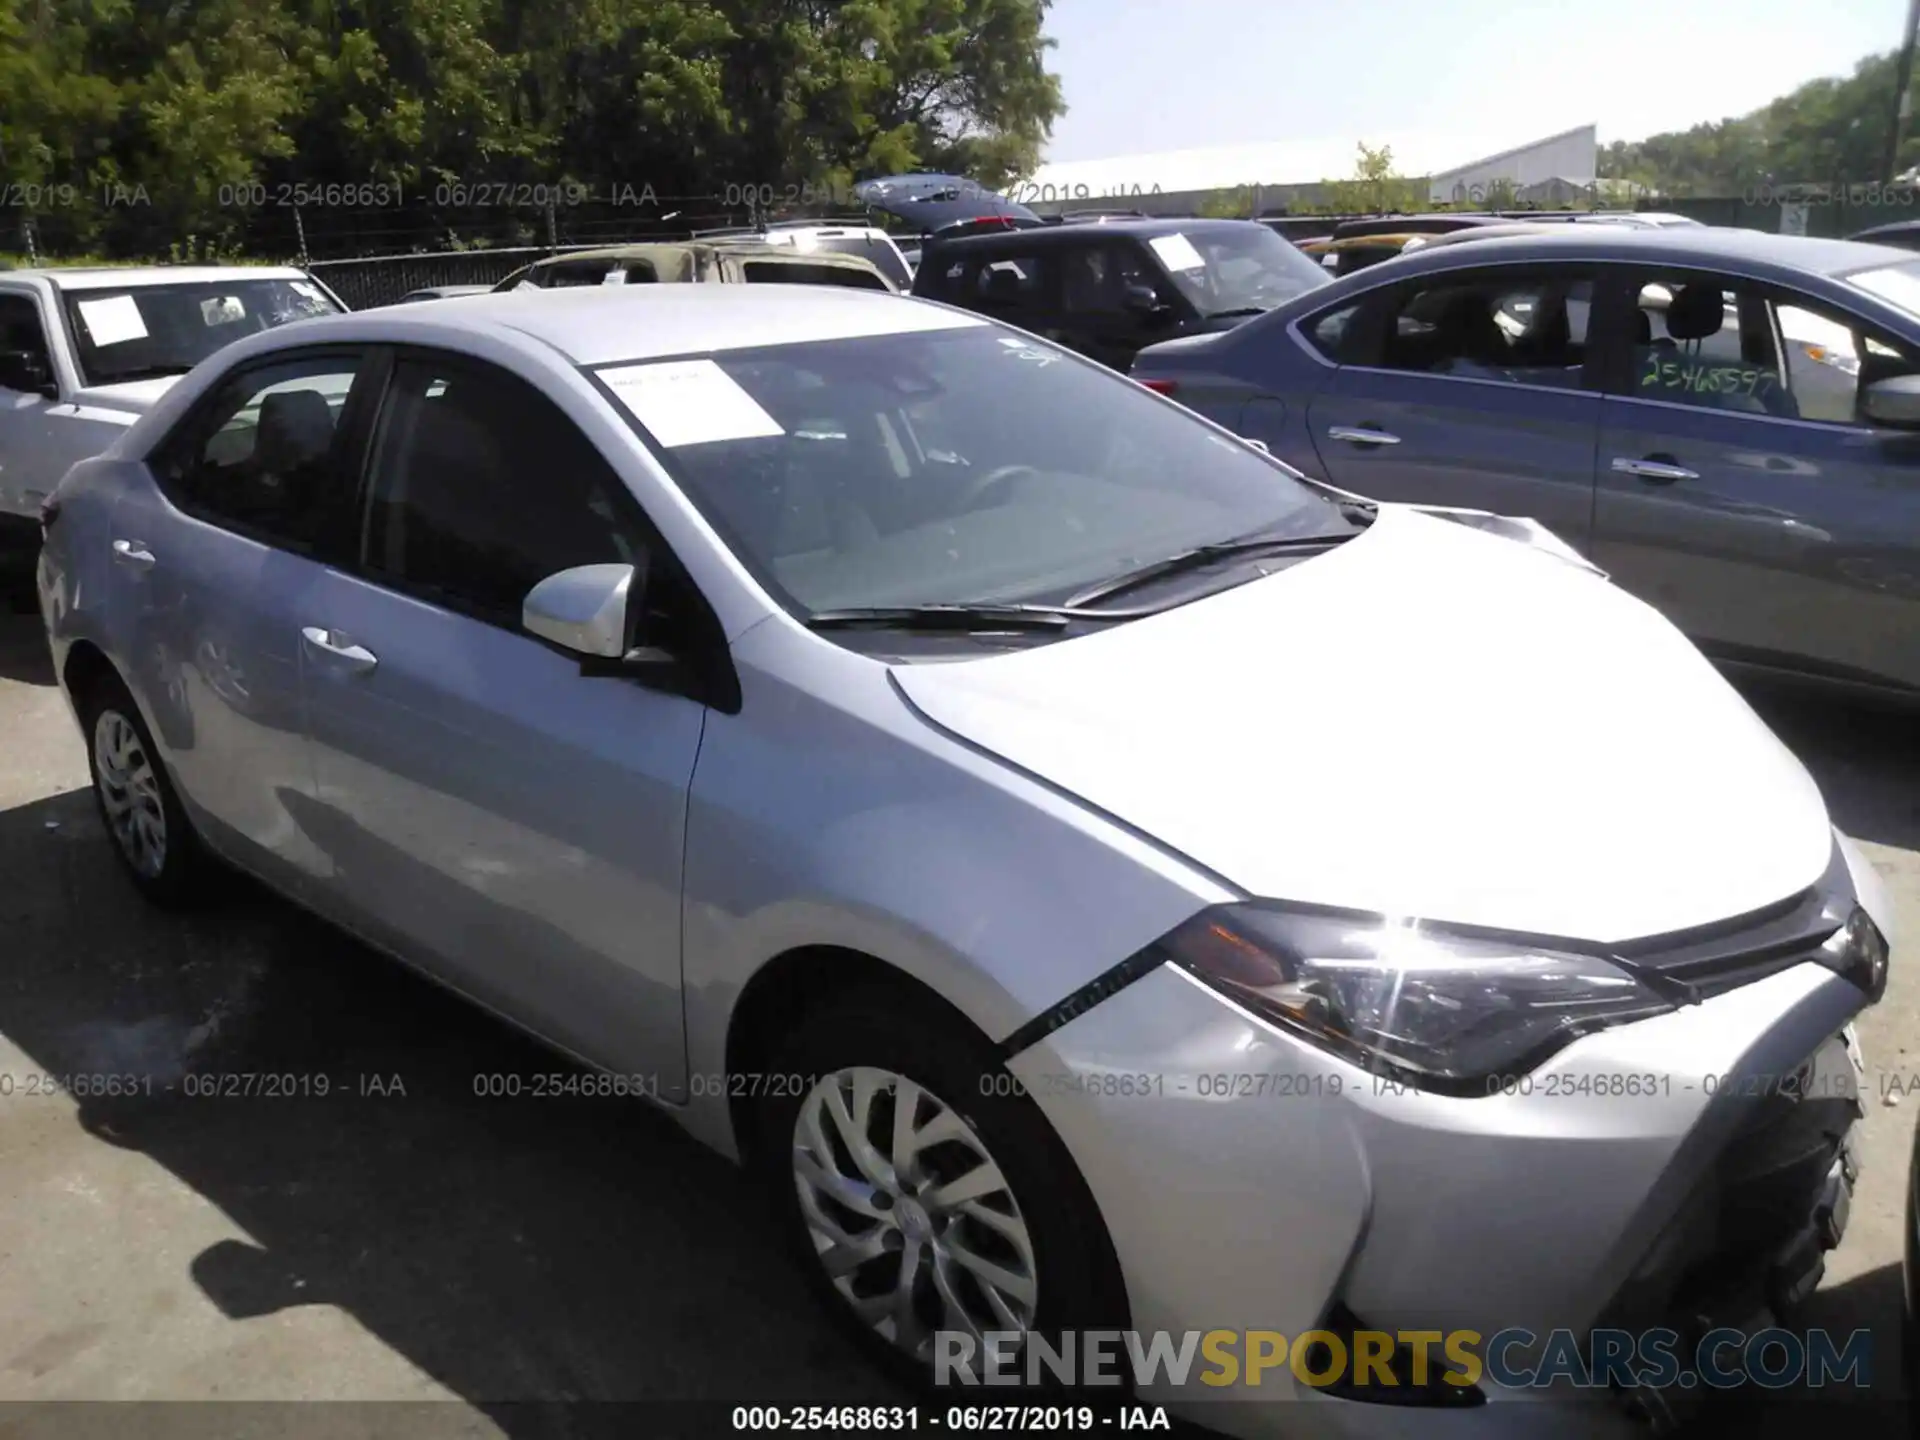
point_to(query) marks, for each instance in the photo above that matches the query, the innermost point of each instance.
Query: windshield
(798, 272)
(1229, 268)
(1898, 285)
(870, 247)
(149, 330)
(935, 467)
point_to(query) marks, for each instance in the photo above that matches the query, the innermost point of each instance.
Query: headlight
(1858, 951)
(1438, 1009)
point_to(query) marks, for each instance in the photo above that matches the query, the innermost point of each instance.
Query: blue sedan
(1728, 422)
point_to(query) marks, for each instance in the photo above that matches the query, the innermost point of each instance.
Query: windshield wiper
(1238, 310)
(1201, 556)
(961, 618)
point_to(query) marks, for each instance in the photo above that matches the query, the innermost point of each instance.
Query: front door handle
(133, 553)
(339, 650)
(1654, 469)
(1361, 436)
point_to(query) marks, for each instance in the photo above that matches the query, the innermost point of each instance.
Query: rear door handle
(1660, 472)
(339, 651)
(1361, 436)
(132, 552)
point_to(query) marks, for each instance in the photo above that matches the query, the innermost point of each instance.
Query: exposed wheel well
(787, 987)
(86, 667)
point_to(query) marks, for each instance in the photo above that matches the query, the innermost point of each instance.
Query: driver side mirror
(1143, 301)
(28, 371)
(1894, 402)
(591, 610)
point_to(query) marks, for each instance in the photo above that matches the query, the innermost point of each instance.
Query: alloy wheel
(912, 1219)
(130, 793)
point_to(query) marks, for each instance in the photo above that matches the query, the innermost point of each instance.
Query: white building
(1175, 181)
(1569, 159)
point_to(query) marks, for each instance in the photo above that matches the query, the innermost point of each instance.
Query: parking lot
(401, 1238)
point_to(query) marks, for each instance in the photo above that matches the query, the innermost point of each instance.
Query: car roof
(1077, 234)
(1383, 237)
(1483, 233)
(598, 325)
(1896, 227)
(122, 277)
(1664, 245)
(755, 249)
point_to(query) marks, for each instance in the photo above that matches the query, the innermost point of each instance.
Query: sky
(1144, 76)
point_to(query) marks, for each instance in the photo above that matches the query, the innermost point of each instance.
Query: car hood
(134, 396)
(1429, 721)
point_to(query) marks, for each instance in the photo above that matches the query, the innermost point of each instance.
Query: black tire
(1079, 1287)
(180, 879)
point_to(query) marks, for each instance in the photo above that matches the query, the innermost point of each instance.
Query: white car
(869, 242)
(84, 352)
(1099, 879)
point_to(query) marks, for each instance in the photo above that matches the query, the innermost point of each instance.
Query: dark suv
(1108, 289)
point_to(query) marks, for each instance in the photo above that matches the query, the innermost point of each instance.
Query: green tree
(1375, 186)
(1232, 204)
(827, 91)
(1828, 130)
(172, 109)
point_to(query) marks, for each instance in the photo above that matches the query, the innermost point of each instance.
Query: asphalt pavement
(403, 1238)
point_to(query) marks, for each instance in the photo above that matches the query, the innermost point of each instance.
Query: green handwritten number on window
(1659, 374)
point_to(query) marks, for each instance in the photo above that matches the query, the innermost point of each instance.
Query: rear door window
(1526, 330)
(1009, 285)
(263, 457)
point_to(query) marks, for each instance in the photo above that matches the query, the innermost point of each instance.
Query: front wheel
(929, 1207)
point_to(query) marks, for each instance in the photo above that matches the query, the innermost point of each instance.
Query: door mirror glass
(586, 609)
(26, 370)
(1894, 403)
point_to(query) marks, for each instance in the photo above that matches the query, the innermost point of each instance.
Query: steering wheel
(994, 479)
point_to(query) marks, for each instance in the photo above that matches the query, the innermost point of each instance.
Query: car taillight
(1161, 387)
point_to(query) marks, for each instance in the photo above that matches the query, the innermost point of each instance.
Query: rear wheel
(920, 1196)
(143, 815)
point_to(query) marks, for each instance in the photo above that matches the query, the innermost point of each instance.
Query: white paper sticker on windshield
(311, 292)
(1177, 252)
(222, 310)
(112, 321)
(690, 402)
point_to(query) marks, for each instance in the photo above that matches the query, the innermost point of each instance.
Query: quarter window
(264, 459)
(1330, 333)
(482, 488)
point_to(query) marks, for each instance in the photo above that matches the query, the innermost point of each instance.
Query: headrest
(1697, 312)
(296, 428)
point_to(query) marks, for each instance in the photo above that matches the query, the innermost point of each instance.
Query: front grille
(1698, 964)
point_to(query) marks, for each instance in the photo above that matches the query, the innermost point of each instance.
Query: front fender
(852, 823)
